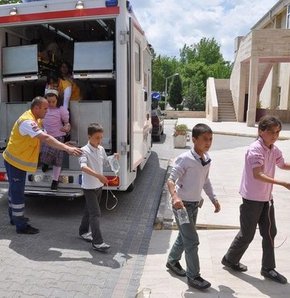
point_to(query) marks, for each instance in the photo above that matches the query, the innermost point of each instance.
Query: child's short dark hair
(93, 128)
(268, 121)
(200, 129)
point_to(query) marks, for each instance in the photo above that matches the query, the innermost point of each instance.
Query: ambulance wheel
(131, 187)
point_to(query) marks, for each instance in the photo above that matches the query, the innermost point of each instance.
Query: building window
(278, 99)
(288, 17)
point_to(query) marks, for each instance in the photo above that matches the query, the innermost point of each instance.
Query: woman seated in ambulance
(66, 85)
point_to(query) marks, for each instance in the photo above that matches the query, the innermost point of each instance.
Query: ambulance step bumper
(47, 192)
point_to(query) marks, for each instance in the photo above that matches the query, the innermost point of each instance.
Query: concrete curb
(164, 218)
(249, 135)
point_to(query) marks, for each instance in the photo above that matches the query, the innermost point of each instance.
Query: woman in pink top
(257, 208)
(56, 123)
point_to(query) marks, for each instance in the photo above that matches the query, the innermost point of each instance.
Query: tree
(220, 70)
(9, 1)
(197, 62)
(206, 51)
(175, 92)
(193, 101)
(162, 67)
(195, 74)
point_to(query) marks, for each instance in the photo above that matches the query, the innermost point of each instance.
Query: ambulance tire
(131, 187)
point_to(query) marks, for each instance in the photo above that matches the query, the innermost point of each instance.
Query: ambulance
(111, 64)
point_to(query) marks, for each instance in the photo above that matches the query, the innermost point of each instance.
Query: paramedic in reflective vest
(21, 156)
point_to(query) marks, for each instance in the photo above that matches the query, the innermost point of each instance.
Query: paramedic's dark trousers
(16, 179)
(253, 213)
(92, 213)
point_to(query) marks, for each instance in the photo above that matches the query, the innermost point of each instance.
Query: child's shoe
(274, 275)
(54, 185)
(198, 283)
(44, 167)
(87, 237)
(101, 247)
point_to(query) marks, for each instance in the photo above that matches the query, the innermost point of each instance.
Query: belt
(188, 203)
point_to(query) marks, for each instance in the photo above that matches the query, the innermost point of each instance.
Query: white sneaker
(87, 237)
(101, 247)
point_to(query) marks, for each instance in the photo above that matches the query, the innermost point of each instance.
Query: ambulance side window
(137, 62)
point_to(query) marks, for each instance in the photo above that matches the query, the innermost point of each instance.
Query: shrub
(179, 107)
(180, 129)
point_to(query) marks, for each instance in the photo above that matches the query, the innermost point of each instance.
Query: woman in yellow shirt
(67, 88)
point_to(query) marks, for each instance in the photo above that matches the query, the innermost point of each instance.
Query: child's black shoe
(54, 185)
(44, 168)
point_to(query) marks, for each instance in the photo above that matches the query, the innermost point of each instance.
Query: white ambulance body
(111, 62)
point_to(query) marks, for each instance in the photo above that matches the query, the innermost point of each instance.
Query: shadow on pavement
(267, 287)
(127, 228)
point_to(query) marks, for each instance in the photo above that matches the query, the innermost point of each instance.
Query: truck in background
(111, 61)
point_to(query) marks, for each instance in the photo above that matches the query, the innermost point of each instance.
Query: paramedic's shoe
(44, 167)
(54, 185)
(101, 247)
(198, 283)
(25, 219)
(176, 268)
(28, 230)
(236, 267)
(87, 237)
(274, 275)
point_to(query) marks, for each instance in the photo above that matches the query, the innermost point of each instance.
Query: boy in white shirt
(93, 180)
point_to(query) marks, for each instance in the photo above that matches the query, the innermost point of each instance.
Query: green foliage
(220, 70)
(162, 67)
(180, 129)
(206, 51)
(175, 92)
(179, 107)
(162, 105)
(192, 99)
(9, 1)
(197, 62)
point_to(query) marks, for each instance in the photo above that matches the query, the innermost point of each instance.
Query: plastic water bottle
(114, 164)
(182, 216)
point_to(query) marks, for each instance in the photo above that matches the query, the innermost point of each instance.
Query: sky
(169, 24)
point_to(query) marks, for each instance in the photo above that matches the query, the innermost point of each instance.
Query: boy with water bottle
(188, 177)
(93, 180)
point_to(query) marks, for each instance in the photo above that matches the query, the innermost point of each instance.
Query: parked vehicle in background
(157, 121)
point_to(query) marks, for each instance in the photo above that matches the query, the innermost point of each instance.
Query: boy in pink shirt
(256, 187)
(56, 124)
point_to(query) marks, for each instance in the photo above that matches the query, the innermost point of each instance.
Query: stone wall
(184, 114)
(283, 115)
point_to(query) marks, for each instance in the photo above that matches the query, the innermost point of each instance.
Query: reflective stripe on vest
(21, 162)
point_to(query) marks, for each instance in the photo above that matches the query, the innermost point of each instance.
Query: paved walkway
(232, 128)
(219, 230)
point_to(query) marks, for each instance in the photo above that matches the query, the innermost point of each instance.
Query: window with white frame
(137, 62)
(288, 17)
(278, 99)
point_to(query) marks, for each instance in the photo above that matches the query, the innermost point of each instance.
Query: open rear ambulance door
(137, 102)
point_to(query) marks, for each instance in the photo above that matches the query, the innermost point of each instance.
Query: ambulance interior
(31, 53)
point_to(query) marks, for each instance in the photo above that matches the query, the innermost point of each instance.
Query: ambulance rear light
(113, 180)
(3, 176)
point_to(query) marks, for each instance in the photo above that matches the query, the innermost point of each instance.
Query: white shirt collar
(92, 148)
